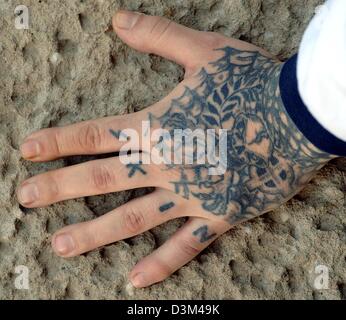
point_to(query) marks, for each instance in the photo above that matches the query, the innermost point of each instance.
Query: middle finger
(86, 179)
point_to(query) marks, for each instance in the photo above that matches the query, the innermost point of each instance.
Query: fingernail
(64, 244)
(30, 149)
(139, 280)
(28, 193)
(126, 19)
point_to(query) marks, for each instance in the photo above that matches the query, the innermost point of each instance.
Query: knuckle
(189, 246)
(163, 270)
(47, 186)
(90, 240)
(133, 220)
(102, 177)
(58, 142)
(90, 137)
(159, 30)
(213, 39)
(51, 185)
(84, 238)
(174, 174)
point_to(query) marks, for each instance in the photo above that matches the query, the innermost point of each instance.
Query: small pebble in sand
(268, 36)
(130, 289)
(247, 229)
(284, 217)
(329, 223)
(55, 58)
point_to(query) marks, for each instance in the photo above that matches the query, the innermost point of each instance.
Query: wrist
(306, 123)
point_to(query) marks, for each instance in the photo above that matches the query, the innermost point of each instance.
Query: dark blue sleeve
(301, 116)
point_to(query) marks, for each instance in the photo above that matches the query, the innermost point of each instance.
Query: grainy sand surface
(95, 75)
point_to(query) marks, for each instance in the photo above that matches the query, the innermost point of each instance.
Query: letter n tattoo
(203, 234)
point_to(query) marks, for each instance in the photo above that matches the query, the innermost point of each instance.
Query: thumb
(163, 37)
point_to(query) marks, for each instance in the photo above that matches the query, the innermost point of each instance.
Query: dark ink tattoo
(203, 234)
(166, 206)
(134, 167)
(118, 133)
(268, 159)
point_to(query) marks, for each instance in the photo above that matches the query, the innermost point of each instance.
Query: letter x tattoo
(134, 167)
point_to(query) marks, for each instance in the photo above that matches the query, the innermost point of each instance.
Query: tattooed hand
(228, 85)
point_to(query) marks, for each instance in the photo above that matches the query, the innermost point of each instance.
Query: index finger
(84, 138)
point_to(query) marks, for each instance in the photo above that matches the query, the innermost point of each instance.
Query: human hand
(230, 85)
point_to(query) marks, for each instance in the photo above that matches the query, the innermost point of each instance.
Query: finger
(182, 247)
(88, 137)
(132, 218)
(86, 179)
(163, 37)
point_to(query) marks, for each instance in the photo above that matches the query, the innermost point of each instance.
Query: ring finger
(132, 218)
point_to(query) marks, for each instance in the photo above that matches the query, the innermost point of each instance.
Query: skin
(228, 84)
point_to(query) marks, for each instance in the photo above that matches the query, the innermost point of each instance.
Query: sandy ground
(95, 75)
